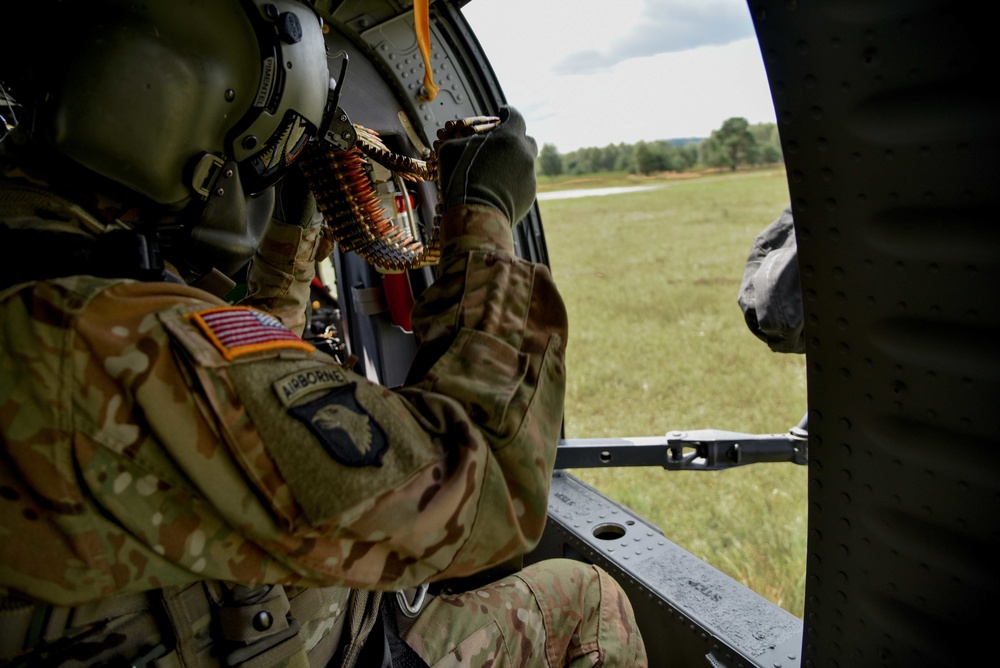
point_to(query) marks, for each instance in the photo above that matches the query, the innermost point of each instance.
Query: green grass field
(658, 343)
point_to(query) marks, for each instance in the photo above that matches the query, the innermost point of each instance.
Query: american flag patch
(239, 330)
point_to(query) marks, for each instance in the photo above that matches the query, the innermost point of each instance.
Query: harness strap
(320, 656)
(107, 608)
(35, 255)
(364, 613)
(15, 623)
(86, 635)
(402, 655)
(27, 200)
(375, 638)
(203, 621)
(190, 614)
(258, 626)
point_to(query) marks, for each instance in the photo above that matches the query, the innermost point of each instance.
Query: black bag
(770, 295)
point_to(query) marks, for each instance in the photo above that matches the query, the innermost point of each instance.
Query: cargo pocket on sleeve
(483, 373)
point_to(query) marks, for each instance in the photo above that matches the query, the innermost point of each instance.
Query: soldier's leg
(554, 613)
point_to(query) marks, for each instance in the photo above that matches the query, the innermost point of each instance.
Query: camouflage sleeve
(441, 478)
(207, 441)
(282, 269)
(490, 367)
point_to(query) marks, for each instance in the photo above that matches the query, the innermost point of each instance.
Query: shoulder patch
(240, 330)
(295, 386)
(344, 428)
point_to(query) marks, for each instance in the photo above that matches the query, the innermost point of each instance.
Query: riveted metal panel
(891, 140)
(689, 613)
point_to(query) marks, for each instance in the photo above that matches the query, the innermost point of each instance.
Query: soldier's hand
(496, 169)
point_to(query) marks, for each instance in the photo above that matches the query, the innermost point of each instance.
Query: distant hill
(683, 141)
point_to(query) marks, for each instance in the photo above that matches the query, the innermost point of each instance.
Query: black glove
(496, 169)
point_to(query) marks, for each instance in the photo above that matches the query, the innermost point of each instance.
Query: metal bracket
(337, 127)
(694, 450)
(341, 132)
(713, 450)
(206, 172)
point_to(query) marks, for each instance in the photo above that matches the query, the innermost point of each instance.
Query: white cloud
(666, 26)
(584, 74)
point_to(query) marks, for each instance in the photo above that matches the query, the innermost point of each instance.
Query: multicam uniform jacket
(154, 437)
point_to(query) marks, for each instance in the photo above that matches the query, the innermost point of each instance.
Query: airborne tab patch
(297, 385)
(344, 427)
(240, 330)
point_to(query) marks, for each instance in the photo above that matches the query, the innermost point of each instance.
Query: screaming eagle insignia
(344, 427)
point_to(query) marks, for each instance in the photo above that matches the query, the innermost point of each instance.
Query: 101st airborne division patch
(344, 427)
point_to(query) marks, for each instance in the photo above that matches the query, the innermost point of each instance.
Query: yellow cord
(422, 24)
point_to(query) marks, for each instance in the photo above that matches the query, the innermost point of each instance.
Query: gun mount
(695, 450)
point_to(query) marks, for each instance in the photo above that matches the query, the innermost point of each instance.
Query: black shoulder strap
(403, 656)
(383, 647)
(37, 255)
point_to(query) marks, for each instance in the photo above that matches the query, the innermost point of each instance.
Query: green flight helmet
(151, 88)
(195, 105)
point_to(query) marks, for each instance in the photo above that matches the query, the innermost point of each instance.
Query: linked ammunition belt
(345, 194)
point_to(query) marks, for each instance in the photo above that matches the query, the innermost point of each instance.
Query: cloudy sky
(594, 72)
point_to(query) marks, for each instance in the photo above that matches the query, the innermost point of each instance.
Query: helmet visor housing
(292, 94)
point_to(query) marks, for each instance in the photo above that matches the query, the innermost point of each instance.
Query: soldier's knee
(574, 579)
(584, 602)
(620, 637)
(564, 579)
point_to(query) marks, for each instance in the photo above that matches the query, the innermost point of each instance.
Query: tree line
(737, 143)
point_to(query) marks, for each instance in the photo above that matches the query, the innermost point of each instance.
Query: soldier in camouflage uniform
(188, 482)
